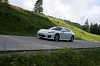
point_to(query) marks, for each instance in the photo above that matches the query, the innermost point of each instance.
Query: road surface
(33, 43)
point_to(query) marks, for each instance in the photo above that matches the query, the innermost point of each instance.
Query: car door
(66, 33)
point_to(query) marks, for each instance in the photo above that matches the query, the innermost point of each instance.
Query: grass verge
(63, 57)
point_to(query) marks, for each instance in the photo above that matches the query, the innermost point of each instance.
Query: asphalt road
(33, 43)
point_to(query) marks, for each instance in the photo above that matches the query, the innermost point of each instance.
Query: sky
(73, 10)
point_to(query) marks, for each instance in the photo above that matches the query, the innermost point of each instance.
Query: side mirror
(63, 31)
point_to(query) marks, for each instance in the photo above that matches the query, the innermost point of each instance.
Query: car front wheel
(72, 39)
(56, 38)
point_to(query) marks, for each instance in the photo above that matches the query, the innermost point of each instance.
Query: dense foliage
(95, 28)
(64, 57)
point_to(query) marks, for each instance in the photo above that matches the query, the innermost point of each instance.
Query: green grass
(64, 57)
(17, 21)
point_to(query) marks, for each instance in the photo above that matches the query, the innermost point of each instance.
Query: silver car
(56, 33)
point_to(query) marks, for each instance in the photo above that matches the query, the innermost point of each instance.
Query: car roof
(61, 27)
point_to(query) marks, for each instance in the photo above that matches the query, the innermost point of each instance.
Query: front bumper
(47, 36)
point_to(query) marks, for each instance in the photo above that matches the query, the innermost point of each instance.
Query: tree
(91, 28)
(99, 29)
(95, 28)
(86, 26)
(5, 1)
(38, 6)
(0, 0)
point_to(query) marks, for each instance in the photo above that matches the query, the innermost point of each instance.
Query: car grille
(42, 35)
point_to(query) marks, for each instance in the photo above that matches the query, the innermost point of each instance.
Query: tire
(72, 39)
(40, 37)
(56, 38)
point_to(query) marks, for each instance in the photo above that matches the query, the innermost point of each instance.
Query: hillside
(73, 24)
(17, 21)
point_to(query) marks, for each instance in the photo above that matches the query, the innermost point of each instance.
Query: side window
(67, 30)
(64, 30)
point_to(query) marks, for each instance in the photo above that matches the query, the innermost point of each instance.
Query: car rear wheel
(72, 39)
(56, 38)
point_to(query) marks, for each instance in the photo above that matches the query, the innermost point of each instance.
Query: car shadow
(53, 40)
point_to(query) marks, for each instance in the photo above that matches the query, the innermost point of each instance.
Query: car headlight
(51, 32)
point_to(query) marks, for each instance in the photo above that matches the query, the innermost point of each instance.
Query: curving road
(33, 43)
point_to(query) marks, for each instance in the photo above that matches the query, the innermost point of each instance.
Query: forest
(93, 28)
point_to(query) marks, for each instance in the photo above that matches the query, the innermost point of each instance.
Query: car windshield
(56, 28)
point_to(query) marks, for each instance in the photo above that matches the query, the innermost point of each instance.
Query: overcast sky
(74, 10)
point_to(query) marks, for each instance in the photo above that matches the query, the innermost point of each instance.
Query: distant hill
(17, 21)
(73, 24)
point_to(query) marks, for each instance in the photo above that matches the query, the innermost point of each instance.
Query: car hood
(45, 30)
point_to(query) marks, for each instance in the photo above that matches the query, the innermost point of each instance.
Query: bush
(65, 57)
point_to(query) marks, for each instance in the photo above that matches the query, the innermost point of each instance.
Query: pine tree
(0, 0)
(38, 6)
(86, 26)
(99, 29)
(95, 27)
(5, 1)
(91, 28)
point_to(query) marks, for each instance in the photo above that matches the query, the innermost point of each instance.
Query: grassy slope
(16, 21)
